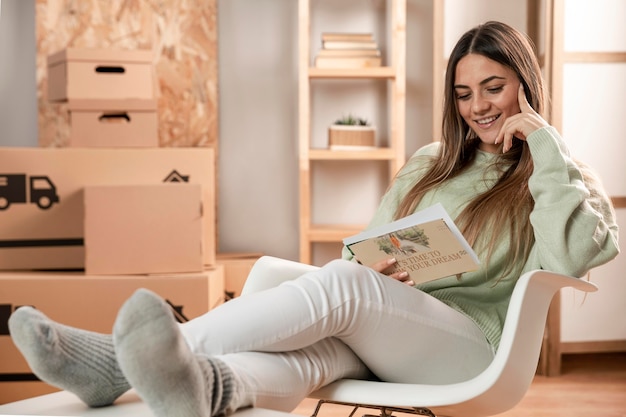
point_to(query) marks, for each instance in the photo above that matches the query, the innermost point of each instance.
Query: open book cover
(427, 245)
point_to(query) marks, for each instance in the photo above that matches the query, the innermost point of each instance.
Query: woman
(500, 170)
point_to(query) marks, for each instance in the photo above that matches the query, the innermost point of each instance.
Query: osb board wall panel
(183, 37)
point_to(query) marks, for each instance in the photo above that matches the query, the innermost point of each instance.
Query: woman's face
(486, 95)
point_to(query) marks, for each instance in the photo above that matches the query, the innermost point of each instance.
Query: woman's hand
(520, 125)
(384, 267)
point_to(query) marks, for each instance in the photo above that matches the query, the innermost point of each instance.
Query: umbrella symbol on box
(175, 176)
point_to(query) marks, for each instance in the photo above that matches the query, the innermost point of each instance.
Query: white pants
(343, 320)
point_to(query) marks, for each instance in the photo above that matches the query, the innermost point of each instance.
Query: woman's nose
(479, 104)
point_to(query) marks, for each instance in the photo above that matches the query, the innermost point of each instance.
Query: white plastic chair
(497, 389)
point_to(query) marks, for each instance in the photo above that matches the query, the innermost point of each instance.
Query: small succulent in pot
(351, 132)
(350, 120)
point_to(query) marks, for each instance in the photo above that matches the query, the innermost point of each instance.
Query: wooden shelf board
(332, 233)
(594, 57)
(373, 72)
(619, 201)
(382, 154)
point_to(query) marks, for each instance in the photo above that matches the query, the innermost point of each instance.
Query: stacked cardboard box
(110, 95)
(89, 302)
(83, 226)
(52, 209)
(237, 266)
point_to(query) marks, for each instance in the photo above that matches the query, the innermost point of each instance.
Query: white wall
(18, 87)
(258, 171)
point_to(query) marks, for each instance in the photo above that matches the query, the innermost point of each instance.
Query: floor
(590, 385)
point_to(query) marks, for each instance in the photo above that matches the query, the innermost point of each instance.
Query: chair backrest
(509, 376)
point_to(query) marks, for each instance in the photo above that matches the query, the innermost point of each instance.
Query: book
(426, 244)
(347, 62)
(349, 45)
(352, 147)
(347, 36)
(343, 53)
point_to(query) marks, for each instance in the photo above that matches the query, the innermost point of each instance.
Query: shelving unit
(394, 73)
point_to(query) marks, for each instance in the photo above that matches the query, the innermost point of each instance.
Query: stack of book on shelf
(348, 50)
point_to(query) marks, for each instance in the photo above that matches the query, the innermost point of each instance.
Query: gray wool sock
(75, 360)
(166, 374)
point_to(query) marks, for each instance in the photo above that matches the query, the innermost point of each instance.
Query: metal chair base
(383, 411)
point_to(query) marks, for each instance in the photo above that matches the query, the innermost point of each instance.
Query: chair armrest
(269, 271)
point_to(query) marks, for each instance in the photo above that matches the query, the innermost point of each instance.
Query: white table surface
(66, 404)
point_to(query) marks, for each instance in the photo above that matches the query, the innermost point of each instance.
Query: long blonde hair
(507, 205)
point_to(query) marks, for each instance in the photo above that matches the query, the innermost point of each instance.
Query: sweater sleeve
(573, 219)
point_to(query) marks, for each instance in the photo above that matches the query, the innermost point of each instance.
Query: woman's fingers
(383, 266)
(521, 125)
(524, 105)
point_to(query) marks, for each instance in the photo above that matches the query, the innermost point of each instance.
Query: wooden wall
(183, 37)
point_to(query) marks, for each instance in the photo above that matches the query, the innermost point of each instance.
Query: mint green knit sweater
(574, 226)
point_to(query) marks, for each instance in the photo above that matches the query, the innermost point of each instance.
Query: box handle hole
(107, 69)
(114, 118)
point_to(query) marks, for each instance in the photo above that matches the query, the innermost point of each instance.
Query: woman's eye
(463, 97)
(494, 90)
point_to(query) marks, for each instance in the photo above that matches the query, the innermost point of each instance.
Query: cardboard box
(113, 123)
(11, 391)
(143, 229)
(237, 266)
(41, 200)
(92, 302)
(79, 73)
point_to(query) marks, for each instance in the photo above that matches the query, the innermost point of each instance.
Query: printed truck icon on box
(40, 191)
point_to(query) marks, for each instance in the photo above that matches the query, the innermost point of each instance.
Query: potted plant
(351, 132)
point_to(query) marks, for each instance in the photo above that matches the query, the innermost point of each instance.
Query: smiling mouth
(487, 121)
